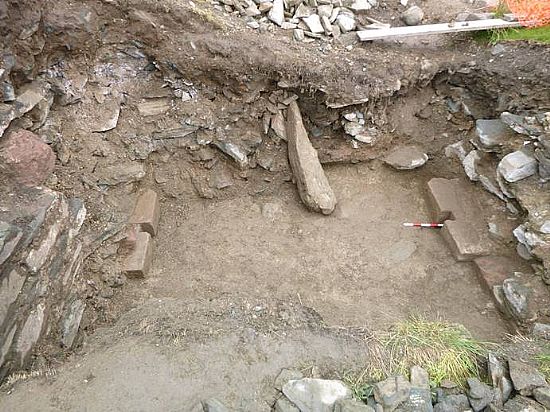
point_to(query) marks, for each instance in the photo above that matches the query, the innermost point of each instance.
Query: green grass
(543, 361)
(537, 35)
(445, 350)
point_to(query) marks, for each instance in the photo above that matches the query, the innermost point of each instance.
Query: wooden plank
(441, 28)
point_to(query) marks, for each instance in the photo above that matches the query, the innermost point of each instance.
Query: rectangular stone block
(138, 262)
(147, 212)
(464, 240)
(493, 270)
(444, 198)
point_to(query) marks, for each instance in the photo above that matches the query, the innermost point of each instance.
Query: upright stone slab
(313, 185)
(147, 212)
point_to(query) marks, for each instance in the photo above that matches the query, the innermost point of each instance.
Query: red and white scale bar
(434, 225)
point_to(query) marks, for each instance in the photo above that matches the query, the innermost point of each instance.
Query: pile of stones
(312, 19)
(511, 160)
(512, 386)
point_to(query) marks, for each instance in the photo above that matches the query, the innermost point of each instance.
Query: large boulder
(25, 158)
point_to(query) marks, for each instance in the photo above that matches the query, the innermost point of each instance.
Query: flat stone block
(138, 263)
(147, 212)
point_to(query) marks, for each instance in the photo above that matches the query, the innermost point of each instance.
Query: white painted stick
(441, 28)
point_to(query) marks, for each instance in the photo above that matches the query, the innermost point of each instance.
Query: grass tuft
(543, 361)
(536, 34)
(445, 350)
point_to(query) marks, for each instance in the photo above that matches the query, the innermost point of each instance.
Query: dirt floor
(246, 281)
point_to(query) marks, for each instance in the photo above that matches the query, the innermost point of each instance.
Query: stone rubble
(310, 19)
(41, 256)
(397, 394)
(511, 160)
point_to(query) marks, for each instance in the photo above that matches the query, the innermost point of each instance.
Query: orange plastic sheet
(531, 13)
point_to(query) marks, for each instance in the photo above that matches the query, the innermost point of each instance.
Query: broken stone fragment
(346, 22)
(359, 6)
(493, 133)
(71, 323)
(138, 263)
(153, 107)
(302, 11)
(278, 125)
(525, 378)
(313, 23)
(317, 395)
(516, 166)
(25, 159)
(313, 185)
(146, 212)
(277, 12)
(516, 298)
(235, 152)
(299, 35)
(392, 392)
(406, 158)
(520, 125)
(412, 16)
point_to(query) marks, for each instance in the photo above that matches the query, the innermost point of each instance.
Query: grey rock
(286, 374)
(313, 185)
(325, 10)
(9, 239)
(71, 323)
(406, 158)
(516, 299)
(412, 16)
(313, 22)
(420, 378)
(325, 22)
(38, 256)
(353, 128)
(105, 119)
(284, 405)
(277, 12)
(253, 24)
(420, 400)
(480, 394)
(544, 166)
(221, 177)
(493, 133)
(302, 11)
(121, 173)
(299, 35)
(520, 125)
(470, 165)
(359, 6)
(541, 330)
(214, 405)
(351, 405)
(31, 332)
(31, 95)
(522, 404)
(392, 392)
(498, 49)
(525, 377)
(453, 403)
(6, 340)
(542, 395)
(499, 378)
(496, 368)
(10, 287)
(346, 23)
(316, 395)
(234, 151)
(456, 150)
(516, 166)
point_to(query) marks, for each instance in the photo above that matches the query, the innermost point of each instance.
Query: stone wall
(40, 256)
